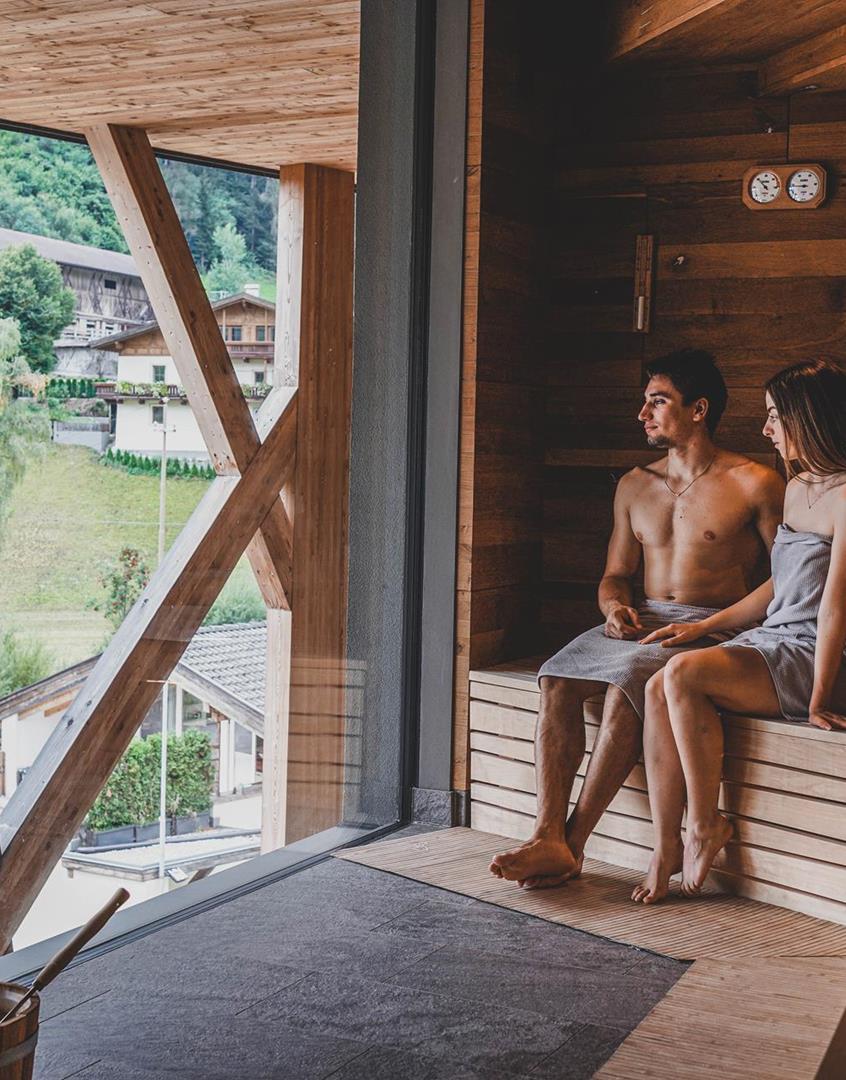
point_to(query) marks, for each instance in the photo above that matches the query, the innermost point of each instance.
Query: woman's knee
(682, 672)
(655, 693)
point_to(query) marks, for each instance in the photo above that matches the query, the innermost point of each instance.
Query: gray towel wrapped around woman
(628, 664)
(787, 638)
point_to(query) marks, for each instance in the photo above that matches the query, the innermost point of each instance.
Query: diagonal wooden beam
(820, 62)
(45, 811)
(152, 230)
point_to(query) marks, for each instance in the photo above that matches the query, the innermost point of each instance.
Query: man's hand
(623, 623)
(827, 720)
(676, 634)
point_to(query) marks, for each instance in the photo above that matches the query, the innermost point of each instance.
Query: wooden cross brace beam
(242, 511)
(44, 813)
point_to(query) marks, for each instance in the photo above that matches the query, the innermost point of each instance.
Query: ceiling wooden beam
(634, 24)
(819, 62)
(44, 812)
(155, 238)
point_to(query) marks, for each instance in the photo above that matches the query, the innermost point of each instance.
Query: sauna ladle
(63, 957)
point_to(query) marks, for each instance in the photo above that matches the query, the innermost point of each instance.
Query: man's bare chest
(659, 521)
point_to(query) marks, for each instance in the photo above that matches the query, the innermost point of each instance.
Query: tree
(22, 662)
(24, 429)
(32, 292)
(232, 268)
(124, 580)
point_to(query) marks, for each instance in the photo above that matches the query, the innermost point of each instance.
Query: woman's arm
(750, 609)
(831, 628)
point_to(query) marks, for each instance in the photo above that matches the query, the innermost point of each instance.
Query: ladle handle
(81, 938)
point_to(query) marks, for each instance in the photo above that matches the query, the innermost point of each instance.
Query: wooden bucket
(19, 1035)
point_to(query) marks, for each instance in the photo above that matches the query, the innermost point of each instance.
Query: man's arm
(621, 564)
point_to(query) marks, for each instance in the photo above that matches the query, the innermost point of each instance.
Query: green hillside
(68, 516)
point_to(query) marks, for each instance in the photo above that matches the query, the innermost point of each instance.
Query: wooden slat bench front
(784, 785)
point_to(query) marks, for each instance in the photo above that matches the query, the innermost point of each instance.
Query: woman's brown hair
(810, 398)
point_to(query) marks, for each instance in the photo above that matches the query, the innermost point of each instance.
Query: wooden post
(304, 719)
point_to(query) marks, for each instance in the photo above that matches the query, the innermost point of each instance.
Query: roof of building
(68, 254)
(30, 697)
(217, 305)
(228, 663)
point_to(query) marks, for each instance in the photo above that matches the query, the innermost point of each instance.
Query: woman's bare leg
(665, 781)
(697, 685)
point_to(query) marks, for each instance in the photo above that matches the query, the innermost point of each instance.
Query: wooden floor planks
(736, 1019)
(716, 926)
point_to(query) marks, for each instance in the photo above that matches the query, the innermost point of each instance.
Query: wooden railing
(111, 391)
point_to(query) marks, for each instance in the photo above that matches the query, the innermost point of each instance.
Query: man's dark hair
(694, 373)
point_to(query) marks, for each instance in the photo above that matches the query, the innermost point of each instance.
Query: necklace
(678, 494)
(825, 485)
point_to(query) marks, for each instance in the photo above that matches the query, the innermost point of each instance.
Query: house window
(259, 377)
(259, 333)
(271, 333)
(158, 372)
(109, 283)
(233, 333)
(158, 414)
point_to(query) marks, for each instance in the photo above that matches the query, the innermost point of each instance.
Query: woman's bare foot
(663, 864)
(701, 848)
(535, 859)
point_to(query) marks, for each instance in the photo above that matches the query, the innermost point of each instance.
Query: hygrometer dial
(803, 185)
(764, 186)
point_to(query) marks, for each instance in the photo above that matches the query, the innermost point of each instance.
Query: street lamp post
(163, 778)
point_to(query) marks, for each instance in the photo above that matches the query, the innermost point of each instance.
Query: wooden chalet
(528, 204)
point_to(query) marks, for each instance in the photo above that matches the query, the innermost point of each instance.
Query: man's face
(666, 420)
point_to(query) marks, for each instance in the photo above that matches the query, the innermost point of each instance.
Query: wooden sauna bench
(784, 785)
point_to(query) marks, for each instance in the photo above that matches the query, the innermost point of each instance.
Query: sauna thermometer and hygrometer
(784, 187)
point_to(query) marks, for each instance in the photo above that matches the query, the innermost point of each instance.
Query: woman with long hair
(790, 667)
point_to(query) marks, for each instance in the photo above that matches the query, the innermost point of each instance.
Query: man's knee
(557, 690)
(619, 713)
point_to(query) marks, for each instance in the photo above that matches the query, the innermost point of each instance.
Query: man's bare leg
(697, 684)
(665, 781)
(559, 749)
(615, 753)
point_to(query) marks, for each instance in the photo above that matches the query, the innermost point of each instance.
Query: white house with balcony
(147, 381)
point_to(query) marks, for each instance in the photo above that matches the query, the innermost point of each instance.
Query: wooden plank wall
(664, 154)
(508, 193)
(567, 162)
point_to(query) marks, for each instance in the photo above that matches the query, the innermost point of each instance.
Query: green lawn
(69, 515)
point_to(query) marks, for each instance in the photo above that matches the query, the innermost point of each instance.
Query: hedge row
(131, 796)
(62, 388)
(140, 464)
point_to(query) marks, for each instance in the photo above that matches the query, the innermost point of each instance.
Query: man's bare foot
(535, 859)
(549, 881)
(701, 848)
(662, 866)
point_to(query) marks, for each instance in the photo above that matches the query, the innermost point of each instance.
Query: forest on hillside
(52, 188)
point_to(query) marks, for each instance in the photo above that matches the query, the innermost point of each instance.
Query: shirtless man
(701, 519)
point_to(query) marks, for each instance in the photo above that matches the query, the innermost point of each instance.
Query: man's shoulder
(752, 476)
(637, 478)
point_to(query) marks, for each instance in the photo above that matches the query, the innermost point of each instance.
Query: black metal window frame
(396, 39)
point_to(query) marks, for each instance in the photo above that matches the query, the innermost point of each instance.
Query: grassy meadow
(69, 516)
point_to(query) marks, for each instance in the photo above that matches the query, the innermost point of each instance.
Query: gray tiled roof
(68, 254)
(233, 657)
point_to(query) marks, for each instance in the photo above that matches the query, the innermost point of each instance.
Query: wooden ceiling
(258, 82)
(794, 43)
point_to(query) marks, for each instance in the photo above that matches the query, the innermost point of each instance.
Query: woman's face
(774, 431)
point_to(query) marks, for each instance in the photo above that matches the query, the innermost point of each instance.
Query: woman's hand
(677, 634)
(827, 720)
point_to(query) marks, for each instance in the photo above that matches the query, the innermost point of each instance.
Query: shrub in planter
(131, 796)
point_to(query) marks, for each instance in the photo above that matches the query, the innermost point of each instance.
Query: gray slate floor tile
(382, 1063)
(563, 990)
(580, 1057)
(476, 1034)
